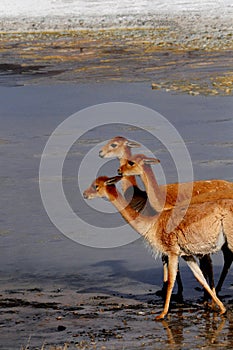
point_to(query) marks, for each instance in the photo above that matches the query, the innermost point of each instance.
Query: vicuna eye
(95, 187)
(113, 145)
(131, 163)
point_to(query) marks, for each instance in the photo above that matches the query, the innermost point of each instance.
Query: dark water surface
(34, 254)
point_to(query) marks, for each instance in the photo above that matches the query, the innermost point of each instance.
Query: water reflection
(206, 330)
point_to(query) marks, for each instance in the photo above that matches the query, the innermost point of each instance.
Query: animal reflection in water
(208, 331)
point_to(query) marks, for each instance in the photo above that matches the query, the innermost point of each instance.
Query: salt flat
(66, 14)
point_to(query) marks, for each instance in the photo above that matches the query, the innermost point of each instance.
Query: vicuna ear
(151, 161)
(133, 144)
(112, 180)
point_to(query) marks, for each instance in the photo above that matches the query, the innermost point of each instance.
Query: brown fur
(204, 229)
(170, 195)
(167, 196)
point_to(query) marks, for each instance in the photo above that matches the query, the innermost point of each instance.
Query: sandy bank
(189, 21)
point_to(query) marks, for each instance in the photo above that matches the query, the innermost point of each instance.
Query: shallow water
(34, 254)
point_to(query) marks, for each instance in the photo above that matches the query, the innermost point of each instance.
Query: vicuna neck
(139, 222)
(129, 180)
(155, 195)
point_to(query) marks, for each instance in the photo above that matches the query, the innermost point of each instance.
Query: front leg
(172, 272)
(163, 292)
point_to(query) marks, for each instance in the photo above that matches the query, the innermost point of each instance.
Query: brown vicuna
(120, 147)
(204, 229)
(140, 164)
(166, 195)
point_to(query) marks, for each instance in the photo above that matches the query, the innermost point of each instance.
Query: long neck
(139, 223)
(129, 180)
(156, 196)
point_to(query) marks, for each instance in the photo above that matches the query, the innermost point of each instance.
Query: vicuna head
(102, 187)
(136, 165)
(117, 147)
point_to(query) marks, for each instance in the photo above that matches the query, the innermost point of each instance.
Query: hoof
(223, 311)
(160, 317)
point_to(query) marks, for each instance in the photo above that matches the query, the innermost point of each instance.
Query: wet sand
(60, 314)
(55, 291)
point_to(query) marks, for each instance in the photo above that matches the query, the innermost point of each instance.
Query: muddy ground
(47, 317)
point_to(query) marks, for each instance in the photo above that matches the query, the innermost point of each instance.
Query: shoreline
(191, 21)
(165, 57)
(184, 52)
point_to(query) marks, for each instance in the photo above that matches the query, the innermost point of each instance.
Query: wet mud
(66, 318)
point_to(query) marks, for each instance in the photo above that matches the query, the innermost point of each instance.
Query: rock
(61, 328)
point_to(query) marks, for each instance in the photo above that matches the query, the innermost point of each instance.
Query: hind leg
(206, 267)
(179, 285)
(228, 258)
(201, 279)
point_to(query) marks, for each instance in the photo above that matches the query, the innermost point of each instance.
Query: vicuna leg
(228, 258)
(179, 284)
(206, 267)
(201, 279)
(165, 274)
(165, 279)
(172, 271)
